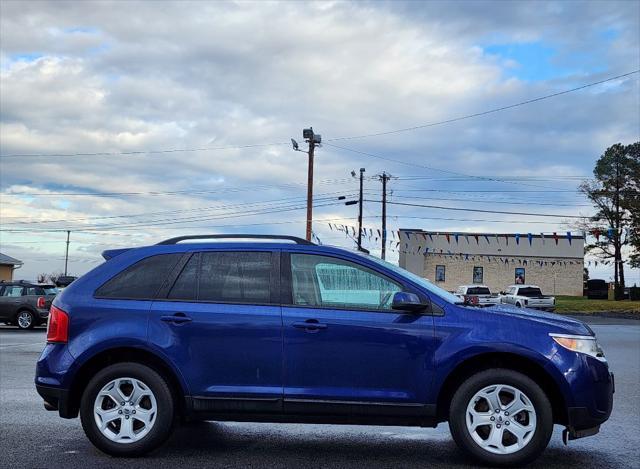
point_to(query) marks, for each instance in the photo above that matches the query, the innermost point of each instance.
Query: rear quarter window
(141, 280)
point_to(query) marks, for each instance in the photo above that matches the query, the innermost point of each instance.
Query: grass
(580, 304)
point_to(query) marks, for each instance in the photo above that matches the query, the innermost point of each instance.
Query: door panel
(358, 355)
(344, 344)
(221, 324)
(222, 349)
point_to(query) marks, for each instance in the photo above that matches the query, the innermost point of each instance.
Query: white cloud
(109, 77)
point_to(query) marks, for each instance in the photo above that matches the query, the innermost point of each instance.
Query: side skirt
(310, 411)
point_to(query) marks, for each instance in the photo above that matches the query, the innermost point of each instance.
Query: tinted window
(12, 290)
(329, 282)
(478, 291)
(186, 287)
(235, 277)
(141, 280)
(529, 292)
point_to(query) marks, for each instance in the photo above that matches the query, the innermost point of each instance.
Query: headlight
(580, 343)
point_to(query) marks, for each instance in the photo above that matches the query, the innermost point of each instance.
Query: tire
(518, 305)
(25, 319)
(139, 426)
(534, 428)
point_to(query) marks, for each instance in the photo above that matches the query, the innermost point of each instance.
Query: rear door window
(140, 281)
(225, 277)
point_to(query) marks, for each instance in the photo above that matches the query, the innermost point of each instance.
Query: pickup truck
(25, 304)
(527, 296)
(477, 295)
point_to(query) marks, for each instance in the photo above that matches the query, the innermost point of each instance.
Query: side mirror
(410, 302)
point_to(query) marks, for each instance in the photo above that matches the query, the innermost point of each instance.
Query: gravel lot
(33, 437)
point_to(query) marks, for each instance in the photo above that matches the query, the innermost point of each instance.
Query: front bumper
(586, 421)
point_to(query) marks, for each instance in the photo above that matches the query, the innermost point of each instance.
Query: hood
(557, 323)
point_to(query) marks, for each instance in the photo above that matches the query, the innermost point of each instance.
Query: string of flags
(399, 241)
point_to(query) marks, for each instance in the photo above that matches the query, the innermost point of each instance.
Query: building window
(440, 273)
(478, 274)
(520, 276)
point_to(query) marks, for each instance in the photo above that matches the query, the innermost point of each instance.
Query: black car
(597, 289)
(25, 304)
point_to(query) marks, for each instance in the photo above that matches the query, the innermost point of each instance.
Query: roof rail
(176, 240)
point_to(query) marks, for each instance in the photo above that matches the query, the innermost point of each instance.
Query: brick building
(555, 263)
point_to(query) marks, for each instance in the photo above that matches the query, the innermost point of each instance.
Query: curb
(606, 314)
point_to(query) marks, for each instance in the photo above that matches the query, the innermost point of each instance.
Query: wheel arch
(511, 361)
(21, 308)
(124, 354)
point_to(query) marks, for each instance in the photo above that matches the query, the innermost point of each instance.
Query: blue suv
(283, 330)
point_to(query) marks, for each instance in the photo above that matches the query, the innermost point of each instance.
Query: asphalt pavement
(33, 437)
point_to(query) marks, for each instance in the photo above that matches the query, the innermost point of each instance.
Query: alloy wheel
(125, 410)
(25, 319)
(501, 419)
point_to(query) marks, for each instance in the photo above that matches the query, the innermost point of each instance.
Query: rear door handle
(310, 325)
(178, 318)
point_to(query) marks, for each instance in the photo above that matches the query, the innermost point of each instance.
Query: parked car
(527, 296)
(477, 295)
(266, 331)
(25, 304)
(597, 289)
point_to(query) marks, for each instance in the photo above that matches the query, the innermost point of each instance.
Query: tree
(634, 206)
(615, 198)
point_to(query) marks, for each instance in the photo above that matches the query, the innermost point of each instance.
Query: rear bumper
(43, 313)
(56, 399)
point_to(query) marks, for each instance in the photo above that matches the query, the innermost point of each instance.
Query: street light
(313, 140)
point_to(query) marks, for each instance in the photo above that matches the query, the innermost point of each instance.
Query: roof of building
(561, 234)
(8, 260)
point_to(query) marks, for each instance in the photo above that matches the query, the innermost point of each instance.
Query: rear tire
(140, 422)
(25, 320)
(512, 426)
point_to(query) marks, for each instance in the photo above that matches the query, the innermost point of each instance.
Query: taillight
(58, 327)
(41, 302)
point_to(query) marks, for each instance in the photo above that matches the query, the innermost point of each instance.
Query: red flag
(448, 238)
(596, 233)
(506, 238)
(477, 240)
(555, 237)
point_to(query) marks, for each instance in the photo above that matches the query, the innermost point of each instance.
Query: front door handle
(309, 325)
(178, 318)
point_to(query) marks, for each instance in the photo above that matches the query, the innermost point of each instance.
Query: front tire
(501, 417)
(127, 409)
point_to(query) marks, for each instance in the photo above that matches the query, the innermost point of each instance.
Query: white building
(555, 263)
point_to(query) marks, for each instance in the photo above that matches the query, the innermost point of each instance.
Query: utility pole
(360, 210)
(66, 256)
(384, 177)
(313, 140)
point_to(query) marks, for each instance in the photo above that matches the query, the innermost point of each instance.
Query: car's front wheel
(127, 409)
(501, 417)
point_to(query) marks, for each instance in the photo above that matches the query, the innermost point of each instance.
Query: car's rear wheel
(501, 417)
(127, 409)
(25, 319)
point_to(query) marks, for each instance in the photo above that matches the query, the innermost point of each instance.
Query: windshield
(529, 292)
(423, 282)
(51, 290)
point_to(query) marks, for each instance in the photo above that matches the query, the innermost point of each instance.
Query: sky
(131, 122)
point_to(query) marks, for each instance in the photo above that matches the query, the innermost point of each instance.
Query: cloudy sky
(128, 122)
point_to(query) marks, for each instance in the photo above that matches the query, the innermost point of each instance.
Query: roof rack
(176, 240)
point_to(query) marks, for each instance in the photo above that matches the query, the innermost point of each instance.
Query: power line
(480, 211)
(430, 168)
(484, 113)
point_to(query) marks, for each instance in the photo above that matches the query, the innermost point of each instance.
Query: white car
(477, 295)
(527, 296)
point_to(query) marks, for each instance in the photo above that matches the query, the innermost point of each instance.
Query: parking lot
(33, 437)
